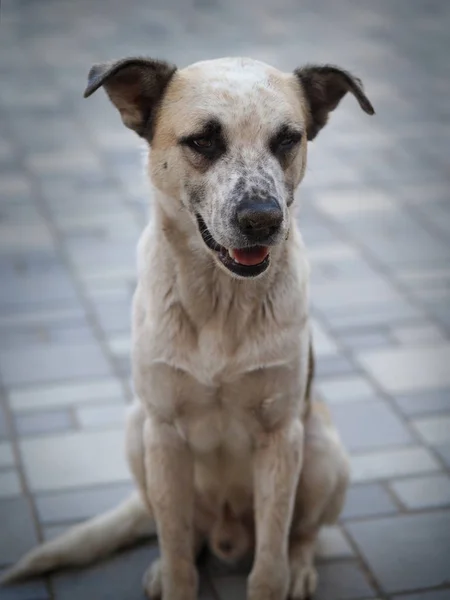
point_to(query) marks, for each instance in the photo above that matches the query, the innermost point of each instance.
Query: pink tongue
(250, 256)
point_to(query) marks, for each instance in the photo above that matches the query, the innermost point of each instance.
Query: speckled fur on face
(250, 102)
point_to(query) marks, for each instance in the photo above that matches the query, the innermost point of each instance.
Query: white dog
(224, 443)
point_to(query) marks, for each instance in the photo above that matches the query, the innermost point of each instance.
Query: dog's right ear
(135, 86)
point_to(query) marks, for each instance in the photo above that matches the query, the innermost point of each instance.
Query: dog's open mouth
(245, 262)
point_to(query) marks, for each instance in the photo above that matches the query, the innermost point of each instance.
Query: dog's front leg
(170, 488)
(277, 464)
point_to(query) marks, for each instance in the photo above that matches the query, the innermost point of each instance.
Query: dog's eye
(202, 143)
(288, 143)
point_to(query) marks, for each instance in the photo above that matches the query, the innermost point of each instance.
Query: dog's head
(228, 142)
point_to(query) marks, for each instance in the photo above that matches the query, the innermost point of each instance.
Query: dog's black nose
(259, 219)
(226, 546)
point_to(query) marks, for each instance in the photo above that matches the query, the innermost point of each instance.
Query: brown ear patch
(324, 87)
(135, 86)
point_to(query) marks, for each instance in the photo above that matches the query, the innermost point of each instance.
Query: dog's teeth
(231, 253)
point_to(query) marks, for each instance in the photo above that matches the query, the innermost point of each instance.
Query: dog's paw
(152, 581)
(270, 583)
(303, 582)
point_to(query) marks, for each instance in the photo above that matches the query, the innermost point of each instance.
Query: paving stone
(386, 464)
(332, 366)
(97, 417)
(36, 590)
(9, 484)
(33, 286)
(74, 460)
(115, 315)
(423, 492)
(43, 422)
(343, 298)
(80, 504)
(406, 370)
(420, 542)
(421, 403)
(115, 579)
(333, 544)
(80, 392)
(362, 340)
(4, 433)
(324, 344)
(379, 315)
(430, 595)
(444, 453)
(56, 363)
(385, 429)
(346, 389)
(418, 334)
(18, 531)
(367, 500)
(6, 455)
(342, 580)
(434, 430)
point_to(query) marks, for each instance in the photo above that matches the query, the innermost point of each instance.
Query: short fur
(223, 442)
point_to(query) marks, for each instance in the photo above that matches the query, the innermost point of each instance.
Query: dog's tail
(88, 542)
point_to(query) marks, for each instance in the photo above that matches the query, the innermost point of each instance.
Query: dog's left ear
(324, 87)
(135, 86)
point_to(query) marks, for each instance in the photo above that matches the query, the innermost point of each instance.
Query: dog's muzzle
(250, 261)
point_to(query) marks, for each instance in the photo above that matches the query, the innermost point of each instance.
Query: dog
(224, 440)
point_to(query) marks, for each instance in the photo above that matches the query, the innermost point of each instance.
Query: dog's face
(228, 142)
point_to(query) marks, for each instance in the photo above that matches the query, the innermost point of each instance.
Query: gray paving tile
(18, 531)
(346, 389)
(332, 544)
(6, 455)
(342, 580)
(444, 453)
(365, 340)
(434, 430)
(115, 579)
(77, 459)
(55, 363)
(114, 315)
(34, 286)
(430, 595)
(332, 366)
(10, 484)
(62, 395)
(388, 463)
(423, 492)
(25, 591)
(420, 543)
(406, 370)
(43, 422)
(4, 430)
(101, 416)
(367, 500)
(422, 403)
(385, 429)
(78, 505)
(422, 333)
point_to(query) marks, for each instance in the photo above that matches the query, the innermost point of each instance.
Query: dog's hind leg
(320, 497)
